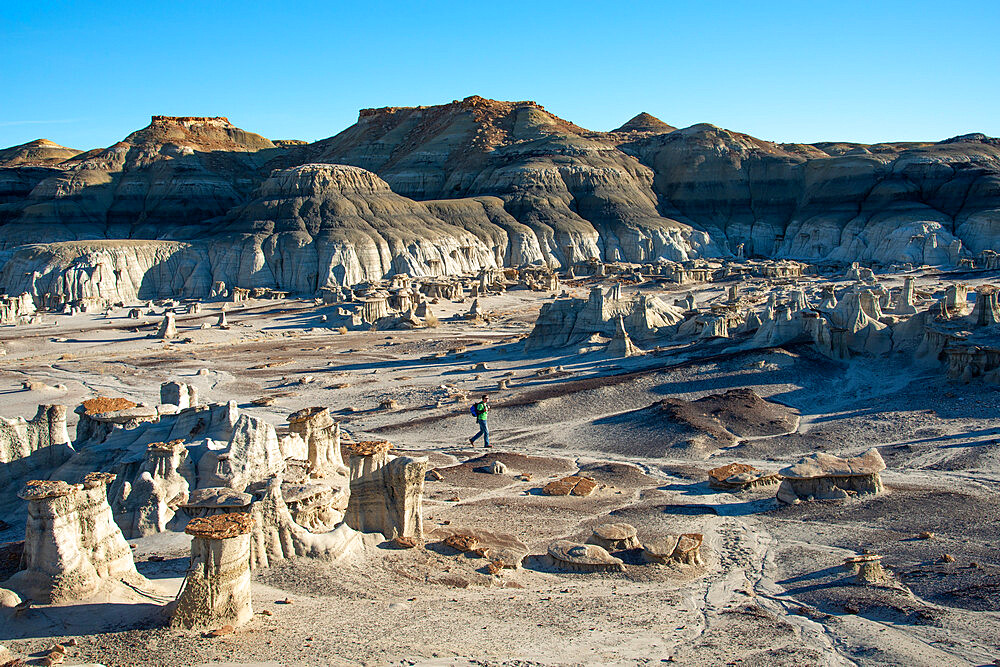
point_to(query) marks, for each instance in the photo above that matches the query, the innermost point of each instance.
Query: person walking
(480, 410)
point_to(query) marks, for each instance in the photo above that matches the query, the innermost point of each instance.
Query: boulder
(683, 549)
(823, 476)
(615, 537)
(576, 485)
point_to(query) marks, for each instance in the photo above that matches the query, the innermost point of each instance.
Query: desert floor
(772, 591)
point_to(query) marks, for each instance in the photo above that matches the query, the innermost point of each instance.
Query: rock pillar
(217, 587)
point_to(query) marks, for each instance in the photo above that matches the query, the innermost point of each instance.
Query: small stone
(404, 542)
(576, 485)
(267, 612)
(495, 566)
(285, 601)
(946, 558)
(926, 535)
(224, 630)
(462, 542)
(498, 468)
(434, 475)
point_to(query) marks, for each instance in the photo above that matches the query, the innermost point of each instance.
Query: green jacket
(481, 411)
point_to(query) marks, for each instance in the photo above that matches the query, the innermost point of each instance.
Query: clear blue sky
(85, 74)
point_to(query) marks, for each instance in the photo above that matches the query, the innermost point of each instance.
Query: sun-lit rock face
(40, 152)
(320, 225)
(479, 183)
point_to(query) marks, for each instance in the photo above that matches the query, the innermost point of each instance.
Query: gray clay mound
(678, 428)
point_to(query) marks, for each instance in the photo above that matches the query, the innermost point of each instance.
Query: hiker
(479, 411)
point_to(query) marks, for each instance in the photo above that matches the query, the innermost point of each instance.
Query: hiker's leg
(476, 436)
(485, 432)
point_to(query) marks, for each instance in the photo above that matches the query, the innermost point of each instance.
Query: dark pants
(483, 431)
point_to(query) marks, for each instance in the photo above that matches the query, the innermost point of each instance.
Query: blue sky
(85, 74)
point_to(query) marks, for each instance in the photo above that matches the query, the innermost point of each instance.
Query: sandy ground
(772, 591)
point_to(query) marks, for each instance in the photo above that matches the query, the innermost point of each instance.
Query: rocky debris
(401, 542)
(740, 477)
(615, 537)
(584, 557)
(73, 548)
(462, 542)
(216, 590)
(868, 568)
(823, 476)
(684, 549)
(572, 485)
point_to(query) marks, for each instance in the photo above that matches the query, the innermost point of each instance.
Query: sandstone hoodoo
(216, 590)
(73, 549)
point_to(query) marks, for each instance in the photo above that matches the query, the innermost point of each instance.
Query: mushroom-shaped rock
(321, 435)
(216, 590)
(685, 549)
(386, 491)
(73, 548)
(216, 500)
(823, 476)
(867, 568)
(584, 557)
(615, 536)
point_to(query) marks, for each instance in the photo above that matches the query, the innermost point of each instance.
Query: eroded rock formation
(216, 590)
(188, 202)
(828, 477)
(73, 548)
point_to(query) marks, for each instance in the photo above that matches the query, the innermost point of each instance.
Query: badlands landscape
(743, 396)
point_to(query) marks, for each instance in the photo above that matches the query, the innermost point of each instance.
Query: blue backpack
(474, 410)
